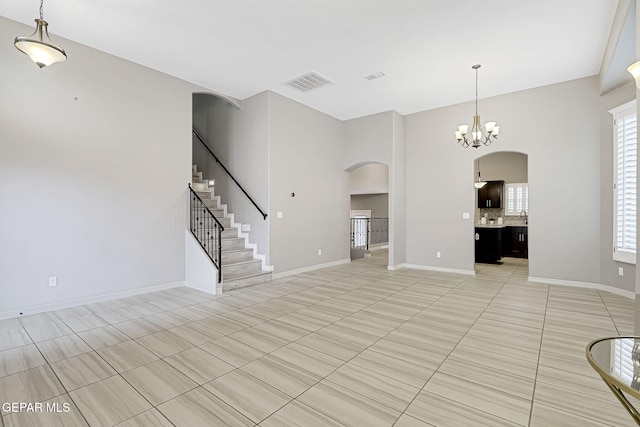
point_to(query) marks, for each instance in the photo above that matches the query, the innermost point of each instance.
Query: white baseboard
(586, 285)
(440, 269)
(311, 268)
(35, 309)
(206, 288)
(396, 267)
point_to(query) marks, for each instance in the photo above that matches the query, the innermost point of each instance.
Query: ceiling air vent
(375, 75)
(308, 81)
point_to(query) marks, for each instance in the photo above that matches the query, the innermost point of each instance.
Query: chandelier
(479, 134)
(39, 46)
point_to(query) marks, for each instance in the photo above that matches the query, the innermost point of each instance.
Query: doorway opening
(369, 209)
(501, 232)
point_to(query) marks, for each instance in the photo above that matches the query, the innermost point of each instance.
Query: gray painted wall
(506, 166)
(305, 158)
(564, 165)
(378, 204)
(239, 138)
(371, 178)
(95, 159)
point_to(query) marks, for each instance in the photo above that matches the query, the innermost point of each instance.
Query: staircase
(240, 267)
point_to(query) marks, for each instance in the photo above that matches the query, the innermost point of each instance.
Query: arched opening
(369, 228)
(501, 233)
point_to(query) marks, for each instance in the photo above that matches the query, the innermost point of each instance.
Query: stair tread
(246, 261)
(239, 250)
(246, 276)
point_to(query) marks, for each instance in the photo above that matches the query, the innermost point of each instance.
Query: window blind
(625, 187)
(517, 198)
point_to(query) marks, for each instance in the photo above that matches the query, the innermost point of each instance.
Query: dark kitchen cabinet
(519, 242)
(488, 244)
(491, 195)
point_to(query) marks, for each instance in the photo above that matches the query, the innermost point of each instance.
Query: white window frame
(623, 251)
(511, 207)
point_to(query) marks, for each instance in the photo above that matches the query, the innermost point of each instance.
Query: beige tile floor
(354, 345)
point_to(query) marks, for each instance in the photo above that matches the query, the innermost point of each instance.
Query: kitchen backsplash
(497, 213)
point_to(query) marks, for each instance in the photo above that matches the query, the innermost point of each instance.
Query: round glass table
(617, 361)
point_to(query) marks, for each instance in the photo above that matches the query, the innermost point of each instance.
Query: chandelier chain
(41, 2)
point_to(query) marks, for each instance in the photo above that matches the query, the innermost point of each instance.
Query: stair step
(204, 195)
(241, 269)
(229, 283)
(240, 255)
(218, 213)
(199, 186)
(232, 244)
(228, 233)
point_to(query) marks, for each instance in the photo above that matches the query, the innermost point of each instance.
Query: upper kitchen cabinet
(491, 195)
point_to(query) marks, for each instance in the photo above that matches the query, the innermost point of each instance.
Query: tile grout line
(615, 325)
(453, 349)
(535, 381)
(53, 370)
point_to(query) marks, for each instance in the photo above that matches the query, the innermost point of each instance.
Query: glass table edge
(607, 377)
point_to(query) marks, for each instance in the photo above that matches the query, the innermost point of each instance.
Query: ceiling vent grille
(375, 75)
(308, 81)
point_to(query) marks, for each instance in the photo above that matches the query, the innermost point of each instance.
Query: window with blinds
(622, 360)
(625, 187)
(517, 198)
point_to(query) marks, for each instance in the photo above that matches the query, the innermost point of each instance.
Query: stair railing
(197, 135)
(368, 231)
(206, 229)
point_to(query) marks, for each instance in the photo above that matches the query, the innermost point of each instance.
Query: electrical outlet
(279, 215)
(620, 271)
(53, 281)
(438, 254)
(466, 215)
(319, 251)
(246, 228)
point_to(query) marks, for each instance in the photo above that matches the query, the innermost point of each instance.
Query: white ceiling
(426, 47)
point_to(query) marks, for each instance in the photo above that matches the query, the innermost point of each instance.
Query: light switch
(466, 215)
(53, 281)
(279, 215)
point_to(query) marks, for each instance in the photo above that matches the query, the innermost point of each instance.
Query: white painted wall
(200, 273)
(95, 159)
(305, 158)
(239, 138)
(564, 179)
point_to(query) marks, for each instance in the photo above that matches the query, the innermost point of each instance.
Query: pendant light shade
(634, 69)
(39, 46)
(479, 183)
